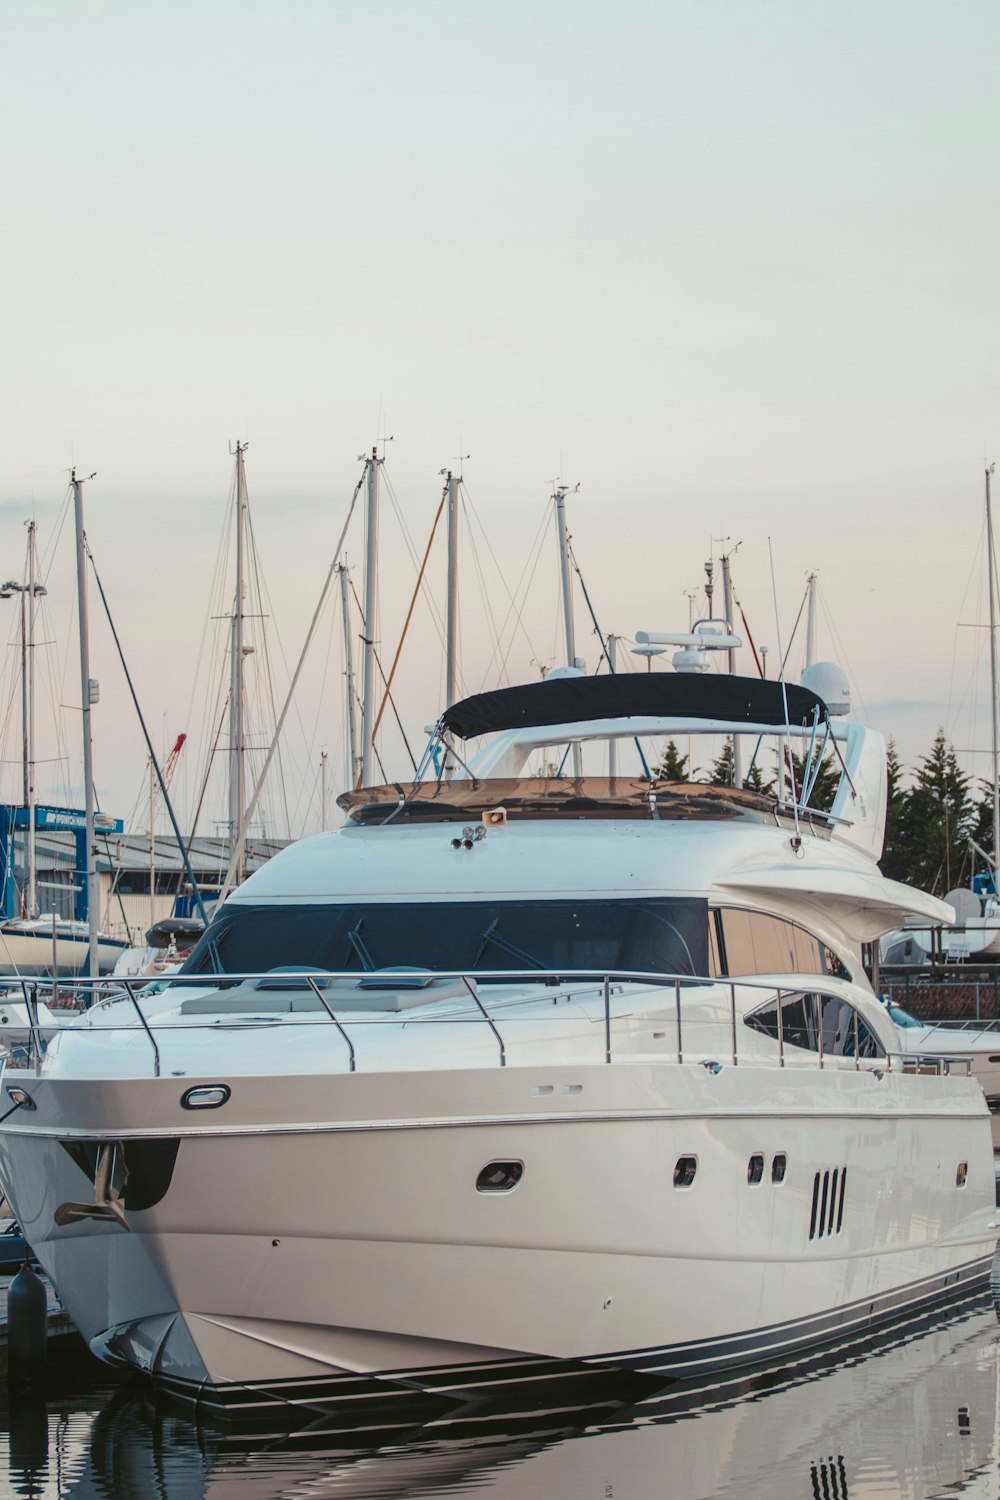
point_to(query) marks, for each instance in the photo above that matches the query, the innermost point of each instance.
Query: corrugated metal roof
(56, 851)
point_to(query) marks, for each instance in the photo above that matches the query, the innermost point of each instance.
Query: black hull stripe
(693, 1359)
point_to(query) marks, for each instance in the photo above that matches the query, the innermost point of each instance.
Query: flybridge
(575, 700)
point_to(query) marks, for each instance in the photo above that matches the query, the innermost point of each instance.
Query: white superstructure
(511, 1077)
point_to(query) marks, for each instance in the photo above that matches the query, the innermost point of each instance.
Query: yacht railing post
(677, 1003)
(145, 1025)
(732, 1013)
(819, 1026)
(322, 1000)
(781, 1034)
(607, 1018)
(857, 1044)
(31, 1006)
(487, 1018)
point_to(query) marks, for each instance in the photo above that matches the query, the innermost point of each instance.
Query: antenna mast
(371, 602)
(351, 721)
(727, 595)
(810, 619)
(991, 565)
(237, 765)
(89, 697)
(567, 597)
(34, 589)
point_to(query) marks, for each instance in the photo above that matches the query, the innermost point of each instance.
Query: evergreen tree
(721, 773)
(827, 780)
(754, 781)
(894, 864)
(982, 828)
(673, 766)
(938, 815)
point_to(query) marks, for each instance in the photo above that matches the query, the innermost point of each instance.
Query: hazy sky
(729, 266)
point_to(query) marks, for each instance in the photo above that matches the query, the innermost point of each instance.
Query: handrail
(486, 1017)
(146, 1027)
(135, 988)
(322, 1000)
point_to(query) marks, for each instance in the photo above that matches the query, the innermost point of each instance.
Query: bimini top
(656, 695)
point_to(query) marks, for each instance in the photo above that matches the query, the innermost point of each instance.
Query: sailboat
(37, 942)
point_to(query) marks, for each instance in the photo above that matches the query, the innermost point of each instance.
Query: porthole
(684, 1171)
(499, 1176)
(206, 1096)
(755, 1169)
(778, 1167)
(962, 1175)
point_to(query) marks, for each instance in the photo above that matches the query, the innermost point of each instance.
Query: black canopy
(658, 695)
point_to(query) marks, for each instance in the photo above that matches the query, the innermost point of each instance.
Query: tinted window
(799, 1021)
(800, 1024)
(838, 1031)
(756, 943)
(660, 936)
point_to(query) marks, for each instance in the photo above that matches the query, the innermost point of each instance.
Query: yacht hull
(316, 1256)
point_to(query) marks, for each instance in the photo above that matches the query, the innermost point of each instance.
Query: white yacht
(512, 1077)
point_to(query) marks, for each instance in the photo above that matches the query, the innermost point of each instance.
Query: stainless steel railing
(33, 990)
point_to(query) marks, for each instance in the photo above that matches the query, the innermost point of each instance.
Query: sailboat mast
(237, 767)
(29, 670)
(810, 619)
(612, 650)
(727, 595)
(88, 695)
(567, 599)
(991, 566)
(451, 661)
(371, 604)
(351, 720)
(451, 632)
(152, 843)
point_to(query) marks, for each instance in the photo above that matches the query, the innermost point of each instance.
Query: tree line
(932, 825)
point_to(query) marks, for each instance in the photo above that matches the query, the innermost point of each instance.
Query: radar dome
(965, 904)
(829, 682)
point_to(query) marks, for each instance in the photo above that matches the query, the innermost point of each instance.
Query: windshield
(660, 936)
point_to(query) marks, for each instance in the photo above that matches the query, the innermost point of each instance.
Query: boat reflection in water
(909, 1415)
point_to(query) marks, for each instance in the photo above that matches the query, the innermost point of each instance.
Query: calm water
(913, 1413)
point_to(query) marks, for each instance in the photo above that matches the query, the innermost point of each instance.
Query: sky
(729, 268)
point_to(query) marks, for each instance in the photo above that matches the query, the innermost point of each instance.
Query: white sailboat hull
(29, 950)
(326, 1259)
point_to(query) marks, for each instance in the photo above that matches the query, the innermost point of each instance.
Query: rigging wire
(429, 600)
(251, 806)
(195, 892)
(604, 649)
(491, 625)
(522, 590)
(406, 622)
(468, 501)
(392, 701)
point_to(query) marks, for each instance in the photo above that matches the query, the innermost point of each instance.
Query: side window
(753, 943)
(832, 964)
(799, 1016)
(756, 943)
(838, 1031)
(800, 1025)
(715, 968)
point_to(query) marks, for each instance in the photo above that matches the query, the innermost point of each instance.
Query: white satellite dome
(829, 682)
